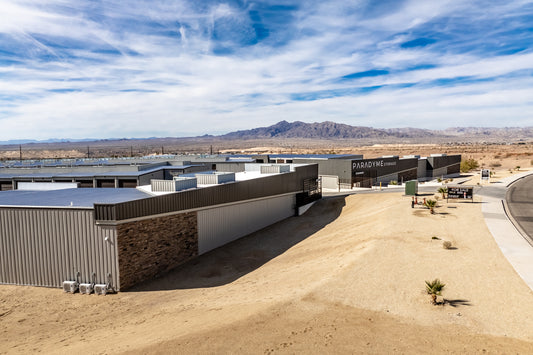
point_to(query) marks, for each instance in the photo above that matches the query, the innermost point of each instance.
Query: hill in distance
(332, 130)
(320, 131)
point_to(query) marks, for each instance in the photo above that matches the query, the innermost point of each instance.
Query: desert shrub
(469, 165)
(447, 244)
(495, 164)
(435, 237)
(431, 205)
(434, 288)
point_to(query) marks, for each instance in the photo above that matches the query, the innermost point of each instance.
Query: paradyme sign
(368, 164)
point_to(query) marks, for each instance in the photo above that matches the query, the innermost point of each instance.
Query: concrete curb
(514, 243)
(515, 223)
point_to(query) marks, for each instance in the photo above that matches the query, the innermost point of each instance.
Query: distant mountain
(326, 130)
(318, 130)
(51, 140)
(525, 132)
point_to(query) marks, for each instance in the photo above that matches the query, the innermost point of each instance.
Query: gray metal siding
(440, 172)
(221, 225)
(422, 168)
(44, 247)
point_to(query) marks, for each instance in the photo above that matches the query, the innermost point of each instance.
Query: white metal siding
(219, 226)
(163, 185)
(44, 247)
(330, 181)
(275, 169)
(215, 178)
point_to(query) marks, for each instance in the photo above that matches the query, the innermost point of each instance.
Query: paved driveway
(520, 201)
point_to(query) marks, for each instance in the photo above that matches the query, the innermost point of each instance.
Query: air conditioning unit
(70, 286)
(86, 289)
(100, 289)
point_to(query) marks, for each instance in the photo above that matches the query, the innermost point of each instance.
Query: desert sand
(346, 277)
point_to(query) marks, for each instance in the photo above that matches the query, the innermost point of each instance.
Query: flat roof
(81, 197)
(316, 156)
(87, 174)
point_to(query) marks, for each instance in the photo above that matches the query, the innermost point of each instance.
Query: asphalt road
(520, 201)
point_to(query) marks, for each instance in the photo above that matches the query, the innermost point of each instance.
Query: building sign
(369, 164)
(460, 192)
(485, 174)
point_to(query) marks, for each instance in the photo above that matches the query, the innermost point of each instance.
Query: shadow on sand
(457, 302)
(236, 259)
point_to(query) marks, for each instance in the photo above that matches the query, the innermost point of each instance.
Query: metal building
(126, 236)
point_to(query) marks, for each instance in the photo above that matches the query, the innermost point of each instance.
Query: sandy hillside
(347, 277)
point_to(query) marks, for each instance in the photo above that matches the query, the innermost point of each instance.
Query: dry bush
(447, 244)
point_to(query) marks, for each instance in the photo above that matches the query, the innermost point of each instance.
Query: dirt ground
(346, 277)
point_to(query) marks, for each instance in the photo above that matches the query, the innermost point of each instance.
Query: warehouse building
(102, 173)
(439, 166)
(119, 237)
(344, 170)
(348, 171)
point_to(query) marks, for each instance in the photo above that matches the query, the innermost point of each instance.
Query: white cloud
(86, 73)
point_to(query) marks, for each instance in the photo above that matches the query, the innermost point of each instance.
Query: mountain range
(331, 130)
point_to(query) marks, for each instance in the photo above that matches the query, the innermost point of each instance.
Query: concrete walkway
(513, 245)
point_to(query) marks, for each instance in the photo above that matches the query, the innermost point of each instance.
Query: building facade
(124, 236)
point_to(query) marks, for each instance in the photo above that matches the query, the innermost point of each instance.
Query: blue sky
(101, 69)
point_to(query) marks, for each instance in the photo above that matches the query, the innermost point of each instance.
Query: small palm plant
(443, 191)
(431, 205)
(434, 288)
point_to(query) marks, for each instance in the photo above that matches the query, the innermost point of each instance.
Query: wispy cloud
(159, 68)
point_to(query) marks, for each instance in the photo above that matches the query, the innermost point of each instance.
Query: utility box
(411, 188)
(185, 183)
(214, 178)
(275, 169)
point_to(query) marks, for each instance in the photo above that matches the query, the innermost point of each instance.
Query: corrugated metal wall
(232, 192)
(215, 178)
(163, 185)
(440, 172)
(330, 182)
(218, 226)
(44, 247)
(275, 169)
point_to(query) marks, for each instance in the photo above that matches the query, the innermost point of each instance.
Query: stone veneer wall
(153, 246)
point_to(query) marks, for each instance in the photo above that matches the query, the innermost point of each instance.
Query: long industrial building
(124, 236)
(120, 222)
